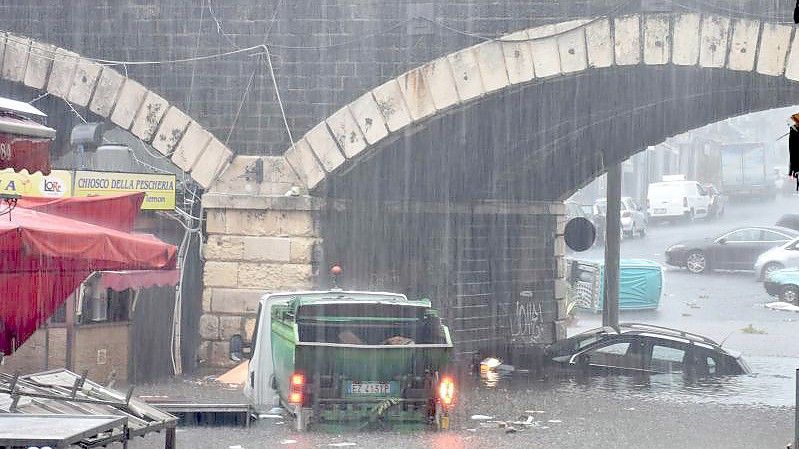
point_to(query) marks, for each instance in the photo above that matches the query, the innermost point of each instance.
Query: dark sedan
(644, 349)
(733, 250)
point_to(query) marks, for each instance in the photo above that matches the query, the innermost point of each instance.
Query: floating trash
(288, 441)
(481, 417)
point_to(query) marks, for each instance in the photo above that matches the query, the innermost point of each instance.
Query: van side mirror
(239, 349)
(722, 241)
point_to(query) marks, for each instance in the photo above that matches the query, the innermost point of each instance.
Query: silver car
(777, 258)
(633, 218)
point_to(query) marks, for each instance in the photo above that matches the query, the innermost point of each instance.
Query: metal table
(58, 431)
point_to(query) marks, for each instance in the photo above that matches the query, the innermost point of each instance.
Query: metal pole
(610, 308)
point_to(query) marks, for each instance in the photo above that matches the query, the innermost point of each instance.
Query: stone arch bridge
(447, 180)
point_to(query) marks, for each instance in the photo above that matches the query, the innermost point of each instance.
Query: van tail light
(685, 201)
(297, 389)
(446, 391)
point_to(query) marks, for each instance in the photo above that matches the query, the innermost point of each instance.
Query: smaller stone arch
(122, 100)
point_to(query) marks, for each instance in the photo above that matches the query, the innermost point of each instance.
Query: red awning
(43, 258)
(112, 211)
(137, 279)
(24, 144)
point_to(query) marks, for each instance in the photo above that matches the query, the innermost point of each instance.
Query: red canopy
(24, 144)
(43, 258)
(112, 211)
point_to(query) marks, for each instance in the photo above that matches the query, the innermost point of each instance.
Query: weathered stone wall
(325, 52)
(254, 246)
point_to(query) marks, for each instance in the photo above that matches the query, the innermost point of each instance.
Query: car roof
(650, 330)
(783, 229)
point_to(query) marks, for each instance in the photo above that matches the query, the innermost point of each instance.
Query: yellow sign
(159, 189)
(57, 184)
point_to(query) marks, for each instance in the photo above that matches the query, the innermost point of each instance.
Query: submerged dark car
(644, 349)
(734, 250)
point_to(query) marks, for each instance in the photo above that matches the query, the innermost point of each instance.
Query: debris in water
(533, 412)
(749, 329)
(629, 409)
(555, 421)
(471, 430)
(481, 417)
(288, 441)
(782, 306)
(343, 444)
(234, 447)
(511, 429)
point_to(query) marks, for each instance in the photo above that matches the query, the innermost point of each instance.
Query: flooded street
(659, 411)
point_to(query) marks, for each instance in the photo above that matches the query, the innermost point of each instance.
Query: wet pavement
(664, 411)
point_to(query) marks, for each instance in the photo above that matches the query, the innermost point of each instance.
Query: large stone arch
(564, 49)
(111, 95)
(263, 240)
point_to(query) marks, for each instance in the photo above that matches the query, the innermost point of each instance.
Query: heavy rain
(411, 224)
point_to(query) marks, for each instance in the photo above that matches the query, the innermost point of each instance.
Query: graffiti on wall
(527, 318)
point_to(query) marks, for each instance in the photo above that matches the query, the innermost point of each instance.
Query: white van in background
(677, 198)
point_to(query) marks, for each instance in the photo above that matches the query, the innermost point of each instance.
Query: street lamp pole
(610, 309)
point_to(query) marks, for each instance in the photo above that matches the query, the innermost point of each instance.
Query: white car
(633, 218)
(669, 200)
(783, 256)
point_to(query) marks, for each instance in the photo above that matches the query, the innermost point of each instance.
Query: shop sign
(57, 184)
(159, 189)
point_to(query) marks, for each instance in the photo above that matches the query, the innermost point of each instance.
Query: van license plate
(660, 211)
(370, 388)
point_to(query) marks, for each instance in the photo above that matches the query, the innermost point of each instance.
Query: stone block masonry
(265, 244)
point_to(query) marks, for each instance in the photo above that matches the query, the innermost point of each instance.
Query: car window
(744, 235)
(771, 236)
(626, 354)
(667, 359)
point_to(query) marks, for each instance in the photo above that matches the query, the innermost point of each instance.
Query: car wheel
(696, 262)
(771, 266)
(642, 232)
(790, 294)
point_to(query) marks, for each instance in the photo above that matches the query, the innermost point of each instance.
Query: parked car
(641, 284)
(784, 284)
(718, 201)
(676, 198)
(633, 217)
(644, 349)
(734, 250)
(783, 256)
(789, 221)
